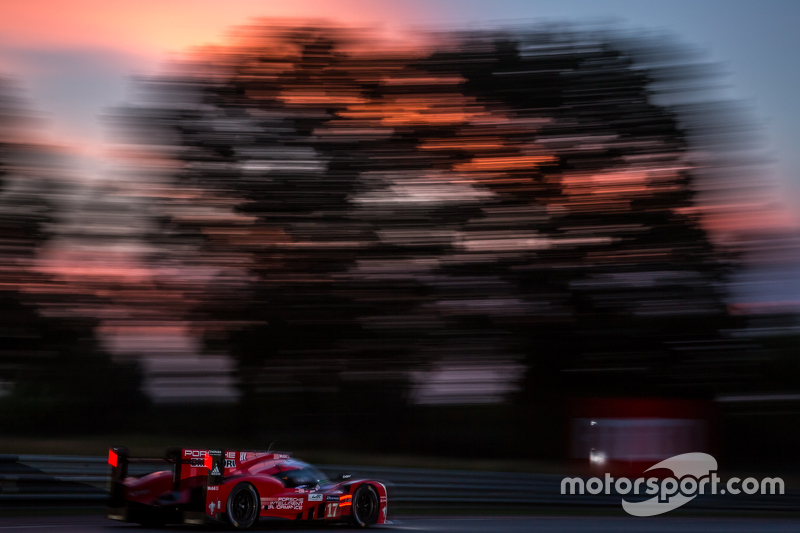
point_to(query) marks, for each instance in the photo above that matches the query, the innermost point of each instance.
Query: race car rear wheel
(243, 506)
(365, 506)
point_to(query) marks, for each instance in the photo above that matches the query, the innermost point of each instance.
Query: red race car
(237, 488)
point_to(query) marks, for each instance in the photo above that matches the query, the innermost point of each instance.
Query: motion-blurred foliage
(498, 218)
(426, 248)
(53, 376)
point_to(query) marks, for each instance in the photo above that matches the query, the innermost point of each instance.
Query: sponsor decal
(203, 453)
(197, 463)
(213, 487)
(315, 497)
(332, 498)
(242, 456)
(292, 504)
(215, 472)
(230, 463)
(194, 453)
(211, 507)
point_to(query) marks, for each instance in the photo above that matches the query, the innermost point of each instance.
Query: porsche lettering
(295, 504)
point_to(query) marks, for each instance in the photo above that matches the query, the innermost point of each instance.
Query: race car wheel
(365, 506)
(243, 506)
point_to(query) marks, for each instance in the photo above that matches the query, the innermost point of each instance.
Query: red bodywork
(196, 490)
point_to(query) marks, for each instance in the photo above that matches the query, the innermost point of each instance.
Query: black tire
(243, 507)
(366, 506)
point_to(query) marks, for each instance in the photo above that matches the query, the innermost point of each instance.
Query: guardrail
(29, 480)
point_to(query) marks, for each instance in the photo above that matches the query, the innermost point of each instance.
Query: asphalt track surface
(545, 524)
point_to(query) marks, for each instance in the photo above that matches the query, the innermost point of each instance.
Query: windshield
(307, 476)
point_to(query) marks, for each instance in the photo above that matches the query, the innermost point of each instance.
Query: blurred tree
(379, 218)
(619, 198)
(53, 376)
(627, 289)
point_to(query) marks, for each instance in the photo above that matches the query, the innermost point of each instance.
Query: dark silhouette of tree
(510, 201)
(54, 378)
(640, 277)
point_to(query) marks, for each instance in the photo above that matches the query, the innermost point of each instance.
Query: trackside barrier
(58, 480)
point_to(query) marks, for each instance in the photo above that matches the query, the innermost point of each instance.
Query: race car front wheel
(243, 506)
(365, 506)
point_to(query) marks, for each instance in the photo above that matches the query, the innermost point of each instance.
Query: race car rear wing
(184, 462)
(118, 459)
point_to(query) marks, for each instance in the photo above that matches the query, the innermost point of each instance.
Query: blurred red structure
(626, 436)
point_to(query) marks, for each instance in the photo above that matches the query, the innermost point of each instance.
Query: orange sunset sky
(45, 45)
(74, 58)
